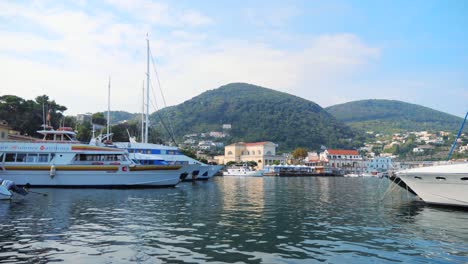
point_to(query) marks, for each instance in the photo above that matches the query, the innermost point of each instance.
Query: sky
(329, 52)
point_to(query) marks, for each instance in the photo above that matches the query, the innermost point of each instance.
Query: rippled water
(233, 220)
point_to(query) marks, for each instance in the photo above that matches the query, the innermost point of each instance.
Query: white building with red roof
(263, 153)
(344, 161)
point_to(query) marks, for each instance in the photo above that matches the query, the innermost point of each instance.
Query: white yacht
(155, 154)
(443, 184)
(243, 170)
(59, 160)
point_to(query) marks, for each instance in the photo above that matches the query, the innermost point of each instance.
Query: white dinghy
(5, 194)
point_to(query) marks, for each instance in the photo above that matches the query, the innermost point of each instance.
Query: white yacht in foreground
(444, 184)
(61, 161)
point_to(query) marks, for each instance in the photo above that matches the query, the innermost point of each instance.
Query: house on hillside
(263, 153)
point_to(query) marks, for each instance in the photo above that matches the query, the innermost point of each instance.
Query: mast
(147, 88)
(108, 108)
(143, 113)
(456, 138)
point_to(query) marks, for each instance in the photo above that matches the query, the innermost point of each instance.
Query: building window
(259, 152)
(229, 152)
(268, 153)
(3, 134)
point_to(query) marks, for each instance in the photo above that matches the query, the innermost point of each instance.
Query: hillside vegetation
(390, 116)
(258, 114)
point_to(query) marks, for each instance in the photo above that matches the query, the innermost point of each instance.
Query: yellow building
(263, 153)
(4, 130)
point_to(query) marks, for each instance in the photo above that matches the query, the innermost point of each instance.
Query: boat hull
(441, 185)
(250, 173)
(95, 179)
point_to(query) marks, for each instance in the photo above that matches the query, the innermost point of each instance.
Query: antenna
(147, 88)
(108, 108)
(143, 114)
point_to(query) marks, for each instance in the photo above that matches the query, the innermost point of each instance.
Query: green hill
(257, 114)
(390, 116)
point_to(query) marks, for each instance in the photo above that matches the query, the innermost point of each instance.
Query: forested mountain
(119, 116)
(390, 116)
(257, 114)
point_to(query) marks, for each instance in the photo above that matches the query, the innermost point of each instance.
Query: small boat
(243, 170)
(443, 184)
(5, 194)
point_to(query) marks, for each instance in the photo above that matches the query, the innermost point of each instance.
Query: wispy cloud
(68, 49)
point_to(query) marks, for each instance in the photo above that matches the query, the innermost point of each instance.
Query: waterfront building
(379, 164)
(263, 153)
(343, 161)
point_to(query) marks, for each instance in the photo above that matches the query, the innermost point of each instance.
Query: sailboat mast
(147, 88)
(108, 107)
(143, 113)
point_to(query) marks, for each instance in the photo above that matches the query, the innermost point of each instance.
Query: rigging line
(160, 89)
(155, 106)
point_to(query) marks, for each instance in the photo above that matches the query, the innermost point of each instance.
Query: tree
(189, 153)
(252, 163)
(299, 153)
(99, 119)
(230, 163)
(27, 116)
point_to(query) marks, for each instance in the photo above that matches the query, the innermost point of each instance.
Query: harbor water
(233, 220)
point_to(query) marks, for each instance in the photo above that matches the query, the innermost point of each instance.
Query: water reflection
(250, 220)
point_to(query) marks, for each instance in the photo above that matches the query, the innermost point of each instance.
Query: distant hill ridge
(392, 116)
(258, 114)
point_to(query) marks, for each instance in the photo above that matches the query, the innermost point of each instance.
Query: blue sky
(326, 51)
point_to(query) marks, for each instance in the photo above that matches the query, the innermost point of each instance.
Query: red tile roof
(342, 152)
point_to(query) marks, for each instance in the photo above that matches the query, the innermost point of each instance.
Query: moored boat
(61, 161)
(243, 170)
(443, 184)
(5, 194)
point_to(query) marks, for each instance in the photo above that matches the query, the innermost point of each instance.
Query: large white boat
(443, 184)
(61, 161)
(243, 170)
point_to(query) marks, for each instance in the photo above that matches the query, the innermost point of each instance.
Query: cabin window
(464, 179)
(31, 158)
(43, 158)
(10, 157)
(440, 178)
(20, 157)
